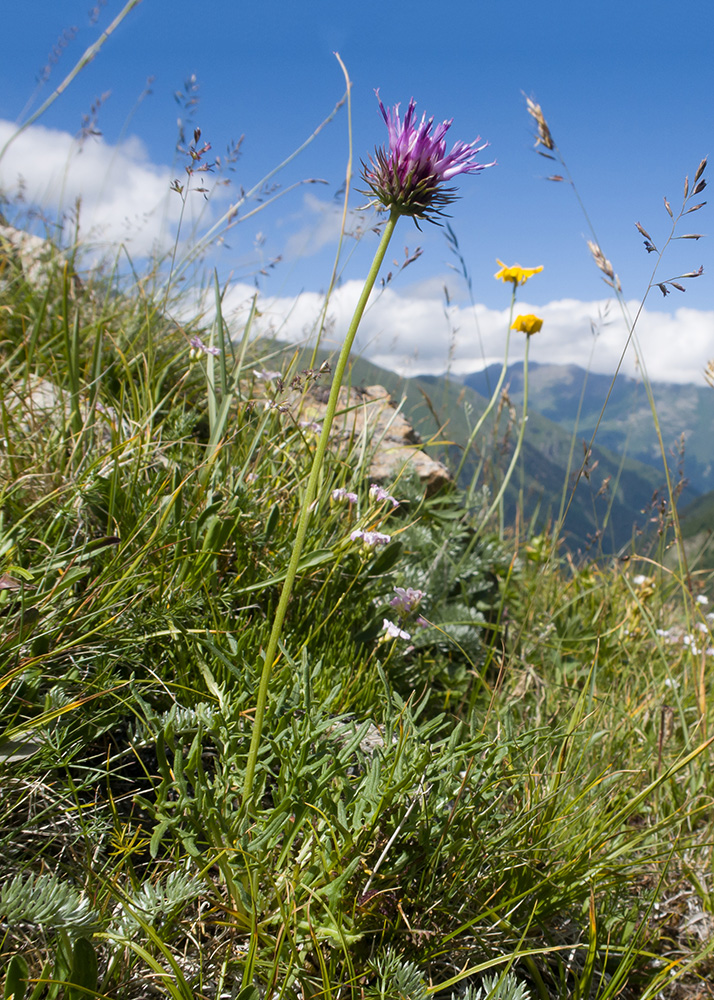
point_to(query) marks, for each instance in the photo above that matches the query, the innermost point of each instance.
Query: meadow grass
(511, 798)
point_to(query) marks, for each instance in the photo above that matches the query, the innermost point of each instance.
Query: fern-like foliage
(158, 903)
(497, 988)
(396, 979)
(49, 902)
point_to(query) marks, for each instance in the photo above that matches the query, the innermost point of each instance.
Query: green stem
(310, 492)
(490, 405)
(519, 442)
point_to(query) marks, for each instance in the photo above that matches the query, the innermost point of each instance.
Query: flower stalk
(406, 178)
(308, 499)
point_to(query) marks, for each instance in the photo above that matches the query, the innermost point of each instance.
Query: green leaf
(386, 559)
(16, 978)
(273, 518)
(248, 993)
(83, 976)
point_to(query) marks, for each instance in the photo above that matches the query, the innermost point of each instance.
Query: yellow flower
(528, 324)
(516, 274)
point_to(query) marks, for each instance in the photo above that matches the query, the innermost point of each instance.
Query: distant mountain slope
(697, 521)
(611, 503)
(685, 413)
(606, 508)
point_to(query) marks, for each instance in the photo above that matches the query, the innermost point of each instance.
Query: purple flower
(370, 539)
(409, 175)
(378, 493)
(393, 631)
(405, 601)
(341, 494)
(197, 346)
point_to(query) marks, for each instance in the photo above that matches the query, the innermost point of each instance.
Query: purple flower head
(409, 175)
(406, 600)
(378, 493)
(197, 347)
(393, 631)
(370, 539)
(341, 495)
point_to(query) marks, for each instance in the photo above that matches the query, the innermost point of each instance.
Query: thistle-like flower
(409, 175)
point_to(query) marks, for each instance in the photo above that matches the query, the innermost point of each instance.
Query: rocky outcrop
(395, 443)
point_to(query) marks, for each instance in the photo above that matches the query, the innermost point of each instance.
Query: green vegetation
(483, 770)
(519, 788)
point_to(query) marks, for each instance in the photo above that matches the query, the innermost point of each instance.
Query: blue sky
(626, 88)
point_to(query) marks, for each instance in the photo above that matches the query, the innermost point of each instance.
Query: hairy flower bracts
(408, 176)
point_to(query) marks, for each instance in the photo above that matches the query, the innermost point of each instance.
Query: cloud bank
(416, 334)
(125, 198)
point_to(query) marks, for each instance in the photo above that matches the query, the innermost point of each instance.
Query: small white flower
(639, 580)
(370, 539)
(378, 493)
(393, 631)
(341, 494)
(197, 347)
(702, 599)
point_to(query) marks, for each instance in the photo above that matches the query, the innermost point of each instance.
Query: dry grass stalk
(544, 137)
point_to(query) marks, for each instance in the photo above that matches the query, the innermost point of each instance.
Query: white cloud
(412, 335)
(124, 197)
